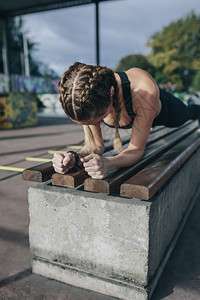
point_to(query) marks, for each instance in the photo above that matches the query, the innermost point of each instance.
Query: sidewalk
(180, 279)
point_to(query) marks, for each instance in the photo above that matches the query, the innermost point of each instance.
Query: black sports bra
(126, 89)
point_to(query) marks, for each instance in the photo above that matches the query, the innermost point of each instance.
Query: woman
(131, 99)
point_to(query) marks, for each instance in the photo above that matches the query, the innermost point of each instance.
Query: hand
(95, 165)
(63, 162)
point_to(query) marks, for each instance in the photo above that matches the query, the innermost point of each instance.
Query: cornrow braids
(65, 87)
(85, 95)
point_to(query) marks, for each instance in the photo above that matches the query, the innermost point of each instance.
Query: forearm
(125, 159)
(93, 140)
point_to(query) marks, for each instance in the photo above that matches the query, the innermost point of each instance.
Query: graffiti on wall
(22, 84)
(4, 83)
(38, 85)
(18, 110)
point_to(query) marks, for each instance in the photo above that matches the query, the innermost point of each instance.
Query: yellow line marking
(11, 169)
(38, 159)
(74, 146)
(52, 152)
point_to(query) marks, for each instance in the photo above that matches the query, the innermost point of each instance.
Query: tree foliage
(176, 51)
(135, 60)
(196, 82)
(15, 50)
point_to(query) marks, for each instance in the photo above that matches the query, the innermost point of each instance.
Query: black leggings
(174, 112)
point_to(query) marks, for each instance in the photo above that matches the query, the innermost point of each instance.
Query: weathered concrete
(112, 245)
(74, 276)
(90, 231)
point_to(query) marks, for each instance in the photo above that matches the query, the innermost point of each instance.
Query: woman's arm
(63, 162)
(134, 152)
(146, 110)
(146, 107)
(98, 167)
(92, 146)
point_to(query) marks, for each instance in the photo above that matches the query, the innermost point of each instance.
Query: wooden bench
(153, 151)
(101, 234)
(161, 140)
(44, 172)
(149, 180)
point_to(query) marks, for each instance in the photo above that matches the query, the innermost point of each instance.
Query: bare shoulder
(142, 80)
(144, 87)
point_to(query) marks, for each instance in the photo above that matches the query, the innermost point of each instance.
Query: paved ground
(180, 280)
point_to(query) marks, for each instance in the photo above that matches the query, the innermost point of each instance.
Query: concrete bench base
(77, 277)
(113, 245)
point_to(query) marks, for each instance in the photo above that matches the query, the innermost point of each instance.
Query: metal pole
(25, 48)
(22, 63)
(26, 59)
(5, 48)
(97, 32)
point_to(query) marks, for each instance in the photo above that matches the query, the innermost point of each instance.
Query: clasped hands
(95, 165)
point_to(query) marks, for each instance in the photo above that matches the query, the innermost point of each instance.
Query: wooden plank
(68, 179)
(44, 172)
(147, 182)
(39, 173)
(163, 132)
(76, 178)
(71, 179)
(113, 182)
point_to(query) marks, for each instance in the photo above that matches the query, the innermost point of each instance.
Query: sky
(64, 36)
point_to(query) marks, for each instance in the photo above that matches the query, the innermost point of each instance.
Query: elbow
(137, 154)
(138, 150)
(140, 153)
(133, 155)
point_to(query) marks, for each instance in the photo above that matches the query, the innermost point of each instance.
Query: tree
(176, 50)
(196, 82)
(14, 45)
(135, 60)
(15, 51)
(47, 72)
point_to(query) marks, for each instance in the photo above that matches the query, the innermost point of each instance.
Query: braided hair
(85, 95)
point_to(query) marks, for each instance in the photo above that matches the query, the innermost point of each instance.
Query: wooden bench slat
(147, 182)
(44, 172)
(39, 173)
(70, 180)
(163, 132)
(111, 184)
(73, 179)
